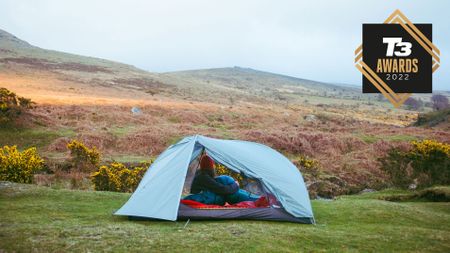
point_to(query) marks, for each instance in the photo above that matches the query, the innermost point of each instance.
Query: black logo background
(374, 48)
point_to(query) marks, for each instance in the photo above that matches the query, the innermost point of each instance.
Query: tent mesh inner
(248, 184)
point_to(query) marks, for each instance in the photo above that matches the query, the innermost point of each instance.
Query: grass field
(42, 219)
(27, 137)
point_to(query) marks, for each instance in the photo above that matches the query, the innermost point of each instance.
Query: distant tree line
(437, 102)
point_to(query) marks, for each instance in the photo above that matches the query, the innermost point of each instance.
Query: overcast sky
(307, 39)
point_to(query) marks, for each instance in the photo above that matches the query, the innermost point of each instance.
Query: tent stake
(187, 222)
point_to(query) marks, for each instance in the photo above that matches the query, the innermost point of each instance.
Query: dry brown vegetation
(346, 148)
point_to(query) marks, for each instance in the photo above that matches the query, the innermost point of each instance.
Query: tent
(160, 190)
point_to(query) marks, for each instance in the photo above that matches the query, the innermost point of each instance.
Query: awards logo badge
(397, 58)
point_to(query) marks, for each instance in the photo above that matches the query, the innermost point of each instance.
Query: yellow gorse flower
(19, 166)
(427, 146)
(117, 177)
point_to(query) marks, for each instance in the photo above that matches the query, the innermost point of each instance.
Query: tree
(11, 105)
(439, 102)
(413, 104)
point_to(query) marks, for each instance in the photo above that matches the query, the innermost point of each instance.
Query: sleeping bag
(240, 195)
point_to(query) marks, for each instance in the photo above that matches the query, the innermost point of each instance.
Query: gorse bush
(431, 160)
(425, 163)
(82, 157)
(106, 179)
(310, 165)
(117, 177)
(320, 183)
(19, 166)
(310, 168)
(11, 105)
(396, 164)
(433, 118)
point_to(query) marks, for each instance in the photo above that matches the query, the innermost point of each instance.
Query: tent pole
(200, 158)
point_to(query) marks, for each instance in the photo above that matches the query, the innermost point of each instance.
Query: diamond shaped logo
(399, 58)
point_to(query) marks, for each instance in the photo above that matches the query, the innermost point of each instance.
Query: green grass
(42, 219)
(121, 131)
(220, 130)
(401, 137)
(369, 139)
(124, 158)
(31, 137)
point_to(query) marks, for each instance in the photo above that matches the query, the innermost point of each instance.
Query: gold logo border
(397, 99)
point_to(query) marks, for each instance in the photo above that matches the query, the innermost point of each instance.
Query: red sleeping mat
(261, 202)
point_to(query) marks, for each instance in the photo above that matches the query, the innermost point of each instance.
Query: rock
(136, 111)
(310, 117)
(324, 199)
(367, 190)
(328, 187)
(5, 184)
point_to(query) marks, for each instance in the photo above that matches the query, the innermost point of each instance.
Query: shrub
(397, 165)
(320, 183)
(307, 163)
(425, 163)
(82, 157)
(434, 194)
(413, 104)
(19, 166)
(105, 179)
(433, 118)
(11, 105)
(117, 177)
(439, 102)
(431, 162)
(310, 168)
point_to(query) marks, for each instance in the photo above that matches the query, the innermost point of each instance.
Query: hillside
(32, 70)
(40, 73)
(43, 75)
(263, 84)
